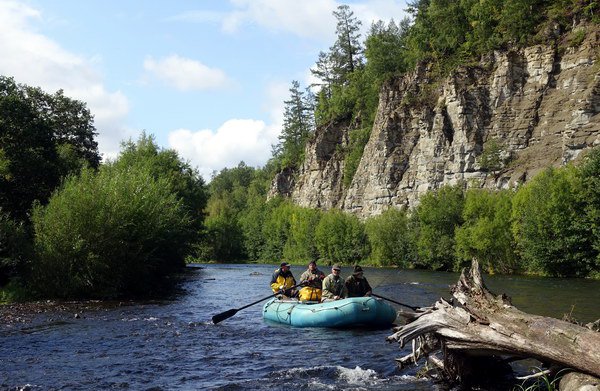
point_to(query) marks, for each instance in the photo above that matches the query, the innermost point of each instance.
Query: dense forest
(510, 231)
(73, 226)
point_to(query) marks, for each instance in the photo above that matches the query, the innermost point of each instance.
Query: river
(172, 344)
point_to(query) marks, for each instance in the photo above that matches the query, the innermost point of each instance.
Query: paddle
(229, 313)
(394, 301)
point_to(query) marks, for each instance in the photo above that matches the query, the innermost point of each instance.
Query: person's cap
(284, 264)
(336, 267)
(357, 269)
(313, 263)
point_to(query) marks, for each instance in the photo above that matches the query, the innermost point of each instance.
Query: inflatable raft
(351, 312)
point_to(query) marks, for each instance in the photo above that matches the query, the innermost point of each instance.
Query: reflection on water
(173, 345)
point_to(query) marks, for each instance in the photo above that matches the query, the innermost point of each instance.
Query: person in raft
(312, 279)
(283, 280)
(357, 284)
(334, 287)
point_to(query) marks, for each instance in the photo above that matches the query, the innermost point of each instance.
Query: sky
(207, 78)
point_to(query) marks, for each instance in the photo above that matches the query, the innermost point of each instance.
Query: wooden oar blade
(224, 315)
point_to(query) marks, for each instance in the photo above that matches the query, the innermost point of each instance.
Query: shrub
(119, 232)
(436, 218)
(549, 225)
(392, 243)
(15, 248)
(485, 233)
(301, 245)
(341, 237)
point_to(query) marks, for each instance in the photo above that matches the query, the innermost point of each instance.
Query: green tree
(118, 232)
(519, 18)
(590, 193)
(254, 215)
(71, 122)
(42, 138)
(440, 28)
(491, 157)
(15, 248)
(297, 127)
(346, 52)
(28, 153)
(224, 236)
(335, 68)
(301, 245)
(484, 17)
(185, 181)
(341, 237)
(385, 48)
(276, 229)
(437, 216)
(486, 232)
(549, 225)
(390, 239)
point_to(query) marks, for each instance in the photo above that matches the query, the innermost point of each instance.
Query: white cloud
(185, 74)
(306, 18)
(375, 10)
(236, 140)
(34, 59)
(309, 18)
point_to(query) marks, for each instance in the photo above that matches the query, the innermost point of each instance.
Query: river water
(172, 344)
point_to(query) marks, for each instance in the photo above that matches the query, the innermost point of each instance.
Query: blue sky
(207, 78)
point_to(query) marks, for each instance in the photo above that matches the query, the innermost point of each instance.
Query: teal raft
(351, 312)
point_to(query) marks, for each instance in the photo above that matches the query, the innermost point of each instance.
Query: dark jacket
(357, 287)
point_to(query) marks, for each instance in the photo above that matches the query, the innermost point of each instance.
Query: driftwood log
(474, 340)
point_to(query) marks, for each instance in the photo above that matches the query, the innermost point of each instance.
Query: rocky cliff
(533, 108)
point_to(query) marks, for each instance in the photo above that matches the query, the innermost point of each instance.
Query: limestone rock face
(320, 181)
(539, 105)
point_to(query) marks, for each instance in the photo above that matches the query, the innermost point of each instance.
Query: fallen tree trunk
(483, 332)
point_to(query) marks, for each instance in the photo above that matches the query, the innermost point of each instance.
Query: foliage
(12, 292)
(301, 244)
(71, 122)
(119, 232)
(486, 232)
(551, 231)
(184, 180)
(492, 157)
(15, 248)
(385, 49)
(436, 217)
(341, 71)
(236, 213)
(298, 125)
(346, 53)
(391, 240)
(43, 137)
(276, 229)
(590, 195)
(341, 237)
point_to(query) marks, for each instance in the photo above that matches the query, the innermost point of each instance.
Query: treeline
(549, 226)
(72, 227)
(503, 229)
(442, 33)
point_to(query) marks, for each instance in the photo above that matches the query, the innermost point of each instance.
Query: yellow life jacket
(309, 294)
(279, 281)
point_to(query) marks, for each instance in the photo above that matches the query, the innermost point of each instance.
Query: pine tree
(346, 52)
(298, 124)
(344, 57)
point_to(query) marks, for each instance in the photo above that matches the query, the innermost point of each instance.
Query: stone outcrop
(538, 105)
